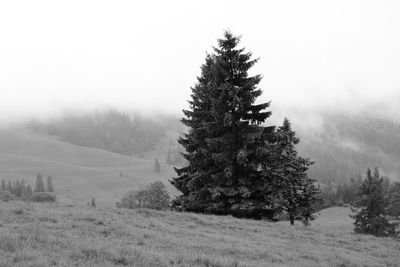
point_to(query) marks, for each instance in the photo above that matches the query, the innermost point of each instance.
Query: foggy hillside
(345, 146)
(348, 144)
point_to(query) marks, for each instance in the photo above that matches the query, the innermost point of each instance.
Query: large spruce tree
(226, 144)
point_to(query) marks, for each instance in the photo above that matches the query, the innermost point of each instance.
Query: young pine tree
(93, 203)
(39, 184)
(50, 184)
(169, 158)
(394, 200)
(3, 186)
(225, 145)
(370, 207)
(291, 188)
(9, 187)
(27, 192)
(157, 167)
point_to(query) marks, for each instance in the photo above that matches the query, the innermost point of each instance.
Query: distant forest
(112, 130)
(348, 145)
(343, 149)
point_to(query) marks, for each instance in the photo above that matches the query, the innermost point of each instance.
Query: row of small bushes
(36, 197)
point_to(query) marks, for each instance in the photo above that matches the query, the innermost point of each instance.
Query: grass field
(66, 235)
(79, 173)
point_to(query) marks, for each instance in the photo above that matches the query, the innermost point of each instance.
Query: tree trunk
(291, 217)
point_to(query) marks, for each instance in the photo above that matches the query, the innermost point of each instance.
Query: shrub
(154, 196)
(6, 196)
(43, 197)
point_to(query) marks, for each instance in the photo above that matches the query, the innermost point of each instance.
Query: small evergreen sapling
(157, 167)
(93, 203)
(50, 187)
(3, 186)
(370, 207)
(39, 187)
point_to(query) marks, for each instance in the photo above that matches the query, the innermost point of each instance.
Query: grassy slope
(79, 173)
(44, 235)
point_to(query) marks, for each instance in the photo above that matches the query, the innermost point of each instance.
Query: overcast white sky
(314, 55)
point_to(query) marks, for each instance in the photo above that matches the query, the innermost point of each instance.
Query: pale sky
(314, 55)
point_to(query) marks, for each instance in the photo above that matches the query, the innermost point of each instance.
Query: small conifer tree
(93, 203)
(39, 184)
(157, 166)
(291, 188)
(394, 200)
(50, 184)
(370, 207)
(169, 158)
(3, 186)
(9, 187)
(27, 192)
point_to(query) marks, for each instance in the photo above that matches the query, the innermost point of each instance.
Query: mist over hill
(345, 146)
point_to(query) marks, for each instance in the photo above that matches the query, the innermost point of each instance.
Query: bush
(154, 196)
(6, 196)
(43, 197)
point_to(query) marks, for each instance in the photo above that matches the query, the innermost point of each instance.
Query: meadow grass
(33, 234)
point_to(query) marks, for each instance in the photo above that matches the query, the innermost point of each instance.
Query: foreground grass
(56, 235)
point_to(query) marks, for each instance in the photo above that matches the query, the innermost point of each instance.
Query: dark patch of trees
(236, 164)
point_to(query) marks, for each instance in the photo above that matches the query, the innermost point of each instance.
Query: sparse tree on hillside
(3, 186)
(169, 158)
(93, 203)
(50, 184)
(39, 184)
(157, 166)
(291, 189)
(225, 144)
(9, 187)
(370, 207)
(27, 192)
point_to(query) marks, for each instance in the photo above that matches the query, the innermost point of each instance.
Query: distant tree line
(112, 130)
(348, 144)
(20, 190)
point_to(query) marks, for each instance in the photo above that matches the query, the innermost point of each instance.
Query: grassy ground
(60, 235)
(79, 173)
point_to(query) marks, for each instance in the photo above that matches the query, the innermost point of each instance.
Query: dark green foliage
(235, 164)
(394, 200)
(225, 144)
(50, 184)
(370, 207)
(154, 196)
(43, 197)
(157, 167)
(291, 188)
(3, 186)
(39, 187)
